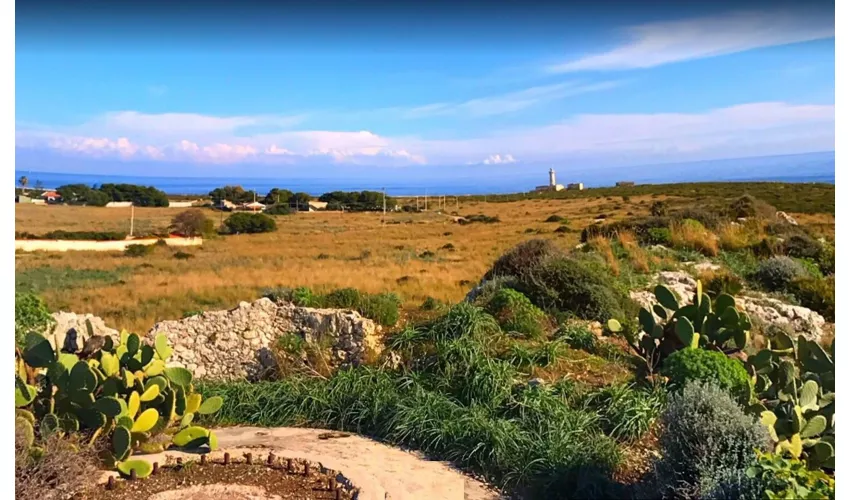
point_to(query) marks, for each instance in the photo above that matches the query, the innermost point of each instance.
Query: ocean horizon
(805, 168)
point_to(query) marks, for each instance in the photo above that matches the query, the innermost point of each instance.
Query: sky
(214, 89)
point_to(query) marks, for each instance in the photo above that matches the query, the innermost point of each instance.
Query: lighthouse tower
(552, 178)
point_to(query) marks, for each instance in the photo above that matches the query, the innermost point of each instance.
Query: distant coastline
(812, 167)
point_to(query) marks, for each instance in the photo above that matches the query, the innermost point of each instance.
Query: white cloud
(498, 160)
(747, 129)
(657, 43)
(509, 102)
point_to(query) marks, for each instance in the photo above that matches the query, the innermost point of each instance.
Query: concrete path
(380, 471)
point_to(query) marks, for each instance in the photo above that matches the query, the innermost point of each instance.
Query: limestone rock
(70, 329)
(787, 218)
(239, 343)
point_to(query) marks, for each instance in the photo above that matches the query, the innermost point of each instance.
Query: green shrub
(191, 224)
(80, 235)
(640, 227)
(181, 255)
(720, 282)
(802, 246)
(706, 218)
(749, 206)
(244, 222)
(826, 259)
(303, 296)
(524, 259)
(554, 218)
(658, 236)
(138, 250)
(342, 298)
(567, 285)
(705, 438)
(382, 307)
(31, 315)
(818, 294)
(281, 209)
(777, 273)
(811, 268)
(430, 304)
(515, 313)
(702, 365)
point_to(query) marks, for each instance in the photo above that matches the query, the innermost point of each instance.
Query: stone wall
(236, 344)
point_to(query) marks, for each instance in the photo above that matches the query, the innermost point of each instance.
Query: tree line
(98, 196)
(354, 201)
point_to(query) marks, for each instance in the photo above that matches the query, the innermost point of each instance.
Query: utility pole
(426, 202)
(457, 204)
(384, 219)
(132, 217)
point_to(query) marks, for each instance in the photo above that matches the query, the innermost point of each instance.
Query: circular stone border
(378, 471)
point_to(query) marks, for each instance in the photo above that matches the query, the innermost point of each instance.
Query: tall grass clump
(602, 246)
(691, 234)
(638, 258)
(706, 437)
(627, 412)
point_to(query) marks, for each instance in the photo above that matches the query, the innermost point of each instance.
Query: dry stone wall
(239, 343)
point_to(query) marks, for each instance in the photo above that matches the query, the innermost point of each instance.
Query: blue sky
(605, 87)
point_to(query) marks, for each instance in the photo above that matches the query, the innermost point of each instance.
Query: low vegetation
(249, 223)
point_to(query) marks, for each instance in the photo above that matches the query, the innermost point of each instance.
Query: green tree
(24, 181)
(278, 196)
(191, 223)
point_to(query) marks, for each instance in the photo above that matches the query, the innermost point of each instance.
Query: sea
(809, 167)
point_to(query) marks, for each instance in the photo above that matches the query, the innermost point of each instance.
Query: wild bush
(60, 234)
(524, 259)
(138, 250)
(702, 365)
(244, 222)
(31, 315)
(802, 246)
(642, 227)
(774, 476)
(570, 286)
(749, 206)
(777, 273)
(515, 313)
(720, 282)
(707, 218)
(382, 307)
(56, 467)
(181, 255)
(658, 208)
(554, 218)
(818, 294)
(191, 224)
(282, 209)
(705, 436)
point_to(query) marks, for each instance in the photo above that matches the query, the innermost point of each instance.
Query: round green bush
(818, 294)
(702, 365)
(776, 273)
(524, 259)
(515, 313)
(571, 286)
(245, 222)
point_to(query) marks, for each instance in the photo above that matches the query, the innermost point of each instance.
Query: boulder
(239, 343)
(786, 218)
(70, 331)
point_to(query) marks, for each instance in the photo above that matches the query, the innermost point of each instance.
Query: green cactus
(703, 323)
(142, 468)
(794, 400)
(123, 392)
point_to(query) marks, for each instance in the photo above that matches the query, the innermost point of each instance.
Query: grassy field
(416, 255)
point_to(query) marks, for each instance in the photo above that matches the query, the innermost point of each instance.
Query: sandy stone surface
(381, 472)
(219, 491)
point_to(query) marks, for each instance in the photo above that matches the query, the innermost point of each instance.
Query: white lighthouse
(552, 186)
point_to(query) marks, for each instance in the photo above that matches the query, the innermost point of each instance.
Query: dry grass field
(322, 250)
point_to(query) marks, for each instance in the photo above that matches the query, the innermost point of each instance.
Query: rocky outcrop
(768, 310)
(239, 343)
(786, 218)
(70, 331)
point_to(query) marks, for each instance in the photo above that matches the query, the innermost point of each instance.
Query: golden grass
(231, 269)
(638, 257)
(693, 237)
(739, 236)
(602, 246)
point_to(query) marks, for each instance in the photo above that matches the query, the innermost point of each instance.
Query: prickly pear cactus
(795, 386)
(704, 323)
(122, 392)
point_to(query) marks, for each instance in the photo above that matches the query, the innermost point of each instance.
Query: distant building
(119, 204)
(50, 196)
(226, 205)
(578, 186)
(181, 204)
(623, 184)
(21, 198)
(552, 186)
(316, 205)
(254, 206)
